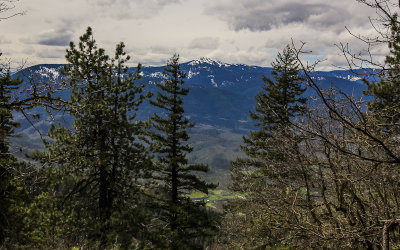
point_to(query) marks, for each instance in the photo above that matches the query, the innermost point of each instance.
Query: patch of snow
(205, 60)
(51, 73)
(355, 78)
(157, 75)
(319, 78)
(192, 74)
(349, 77)
(213, 82)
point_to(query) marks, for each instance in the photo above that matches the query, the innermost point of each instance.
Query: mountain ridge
(220, 98)
(221, 94)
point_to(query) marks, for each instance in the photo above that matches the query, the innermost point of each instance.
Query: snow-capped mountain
(221, 94)
(219, 101)
(212, 73)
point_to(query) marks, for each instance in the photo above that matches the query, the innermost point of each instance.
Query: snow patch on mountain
(212, 80)
(205, 60)
(318, 78)
(192, 74)
(51, 73)
(350, 78)
(214, 83)
(157, 75)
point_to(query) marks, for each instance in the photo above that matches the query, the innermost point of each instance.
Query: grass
(214, 198)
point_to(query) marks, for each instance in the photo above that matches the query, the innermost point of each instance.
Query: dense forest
(316, 172)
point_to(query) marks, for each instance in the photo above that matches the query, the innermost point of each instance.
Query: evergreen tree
(277, 104)
(101, 159)
(386, 91)
(18, 179)
(259, 176)
(187, 221)
(7, 161)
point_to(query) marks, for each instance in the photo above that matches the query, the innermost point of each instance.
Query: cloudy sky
(233, 31)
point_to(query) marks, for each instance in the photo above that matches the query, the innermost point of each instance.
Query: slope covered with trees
(318, 173)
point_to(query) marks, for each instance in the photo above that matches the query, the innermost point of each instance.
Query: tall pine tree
(187, 221)
(7, 160)
(101, 158)
(259, 176)
(279, 102)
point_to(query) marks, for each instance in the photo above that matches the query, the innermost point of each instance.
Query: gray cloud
(59, 37)
(127, 9)
(204, 43)
(28, 50)
(261, 15)
(51, 53)
(111, 3)
(249, 31)
(161, 50)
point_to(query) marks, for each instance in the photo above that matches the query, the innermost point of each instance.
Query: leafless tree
(339, 179)
(8, 6)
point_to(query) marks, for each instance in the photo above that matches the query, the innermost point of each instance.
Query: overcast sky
(233, 31)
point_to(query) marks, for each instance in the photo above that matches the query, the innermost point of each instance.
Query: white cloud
(235, 31)
(4, 40)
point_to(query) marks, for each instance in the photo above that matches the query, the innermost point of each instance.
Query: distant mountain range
(219, 101)
(221, 94)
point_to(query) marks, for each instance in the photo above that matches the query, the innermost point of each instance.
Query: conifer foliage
(386, 91)
(264, 175)
(186, 219)
(101, 158)
(278, 103)
(7, 161)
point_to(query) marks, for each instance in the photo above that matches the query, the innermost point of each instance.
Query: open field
(215, 198)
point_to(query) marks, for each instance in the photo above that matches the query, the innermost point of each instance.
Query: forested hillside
(220, 98)
(203, 154)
